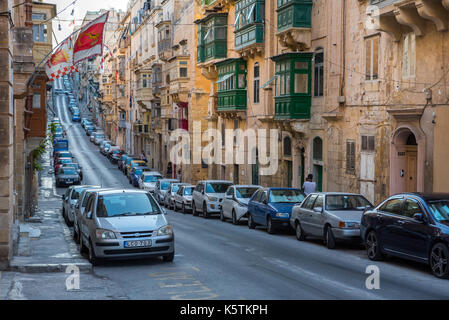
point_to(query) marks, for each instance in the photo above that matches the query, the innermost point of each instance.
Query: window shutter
(350, 156)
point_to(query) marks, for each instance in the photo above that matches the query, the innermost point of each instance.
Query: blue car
(272, 207)
(76, 117)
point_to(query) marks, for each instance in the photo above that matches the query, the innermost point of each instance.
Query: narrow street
(216, 260)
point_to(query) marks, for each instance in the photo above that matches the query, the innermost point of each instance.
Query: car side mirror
(318, 209)
(228, 196)
(89, 215)
(164, 211)
(419, 217)
(265, 202)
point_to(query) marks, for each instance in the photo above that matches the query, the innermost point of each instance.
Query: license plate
(137, 243)
(69, 181)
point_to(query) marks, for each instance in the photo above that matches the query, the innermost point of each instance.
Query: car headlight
(282, 214)
(104, 234)
(352, 225)
(211, 198)
(165, 230)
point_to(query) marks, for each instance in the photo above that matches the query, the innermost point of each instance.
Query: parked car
(134, 163)
(76, 117)
(147, 181)
(111, 150)
(162, 187)
(76, 166)
(169, 198)
(135, 174)
(79, 209)
(121, 224)
(67, 176)
(60, 161)
(69, 200)
(127, 162)
(99, 137)
(62, 154)
(122, 161)
(90, 129)
(235, 203)
(95, 134)
(208, 195)
(108, 147)
(115, 154)
(85, 122)
(413, 226)
(272, 207)
(103, 144)
(183, 198)
(330, 216)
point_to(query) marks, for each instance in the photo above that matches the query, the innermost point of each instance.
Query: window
(223, 133)
(372, 58)
(39, 16)
(319, 73)
(296, 69)
(368, 143)
(319, 202)
(256, 83)
(350, 156)
(317, 149)
(310, 201)
(183, 72)
(409, 56)
(36, 101)
(144, 81)
(40, 33)
(392, 206)
(287, 147)
(411, 207)
(248, 12)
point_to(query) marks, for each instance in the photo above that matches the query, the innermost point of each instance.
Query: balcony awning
(266, 84)
(224, 78)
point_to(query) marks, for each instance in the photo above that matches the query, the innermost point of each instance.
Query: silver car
(125, 223)
(162, 187)
(183, 198)
(147, 180)
(235, 203)
(208, 195)
(169, 198)
(69, 201)
(330, 216)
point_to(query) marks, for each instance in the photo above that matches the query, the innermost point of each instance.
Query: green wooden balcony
(231, 94)
(249, 23)
(294, 14)
(232, 100)
(212, 37)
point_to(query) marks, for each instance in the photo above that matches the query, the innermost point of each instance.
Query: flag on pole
(90, 39)
(60, 62)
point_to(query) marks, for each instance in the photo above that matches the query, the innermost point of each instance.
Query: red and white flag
(90, 39)
(60, 62)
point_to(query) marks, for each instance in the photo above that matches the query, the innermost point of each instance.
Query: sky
(80, 7)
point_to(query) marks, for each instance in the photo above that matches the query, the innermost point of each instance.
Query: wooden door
(412, 168)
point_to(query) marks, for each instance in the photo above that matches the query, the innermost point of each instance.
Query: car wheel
(194, 212)
(222, 217)
(439, 256)
(205, 213)
(373, 247)
(234, 218)
(330, 240)
(82, 249)
(92, 257)
(183, 208)
(175, 207)
(299, 232)
(251, 223)
(270, 228)
(169, 257)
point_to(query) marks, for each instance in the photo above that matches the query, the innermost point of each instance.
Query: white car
(235, 203)
(183, 198)
(94, 135)
(162, 187)
(208, 195)
(147, 180)
(169, 198)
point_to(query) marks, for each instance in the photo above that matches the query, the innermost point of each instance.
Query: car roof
(281, 188)
(169, 180)
(246, 186)
(426, 196)
(215, 181)
(338, 193)
(152, 173)
(112, 191)
(141, 167)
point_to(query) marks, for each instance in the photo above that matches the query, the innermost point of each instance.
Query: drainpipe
(343, 35)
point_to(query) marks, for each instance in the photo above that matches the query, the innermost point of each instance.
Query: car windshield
(138, 172)
(175, 189)
(440, 209)
(60, 145)
(71, 164)
(99, 136)
(152, 178)
(188, 191)
(68, 171)
(75, 194)
(245, 193)
(126, 204)
(346, 202)
(65, 161)
(217, 187)
(286, 196)
(165, 185)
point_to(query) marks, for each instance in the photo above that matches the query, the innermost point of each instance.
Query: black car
(413, 226)
(67, 176)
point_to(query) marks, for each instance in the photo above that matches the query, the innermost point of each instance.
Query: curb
(52, 267)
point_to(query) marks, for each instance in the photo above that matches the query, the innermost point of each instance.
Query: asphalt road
(217, 260)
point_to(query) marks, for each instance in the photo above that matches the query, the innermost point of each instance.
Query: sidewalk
(46, 250)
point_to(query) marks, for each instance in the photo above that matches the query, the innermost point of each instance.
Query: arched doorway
(317, 153)
(406, 161)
